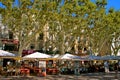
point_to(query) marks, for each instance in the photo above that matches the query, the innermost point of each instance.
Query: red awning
(10, 41)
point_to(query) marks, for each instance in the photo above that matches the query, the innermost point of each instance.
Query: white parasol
(6, 54)
(69, 56)
(37, 55)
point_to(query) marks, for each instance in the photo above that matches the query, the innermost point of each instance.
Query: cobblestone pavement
(85, 76)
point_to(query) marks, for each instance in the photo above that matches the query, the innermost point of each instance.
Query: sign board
(42, 64)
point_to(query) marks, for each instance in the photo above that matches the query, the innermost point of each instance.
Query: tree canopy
(72, 24)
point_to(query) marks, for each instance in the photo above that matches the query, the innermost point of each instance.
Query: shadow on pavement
(88, 76)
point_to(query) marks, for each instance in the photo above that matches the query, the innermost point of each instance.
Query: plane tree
(25, 20)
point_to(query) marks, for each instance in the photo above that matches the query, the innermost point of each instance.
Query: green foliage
(67, 22)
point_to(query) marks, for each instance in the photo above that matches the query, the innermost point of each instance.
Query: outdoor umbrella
(92, 57)
(69, 56)
(6, 54)
(108, 57)
(37, 55)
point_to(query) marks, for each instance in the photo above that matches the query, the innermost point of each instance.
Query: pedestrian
(106, 66)
(118, 65)
(116, 70)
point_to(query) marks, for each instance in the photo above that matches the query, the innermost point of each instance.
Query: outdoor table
(37, 70)
(24, 71)
(52, 71)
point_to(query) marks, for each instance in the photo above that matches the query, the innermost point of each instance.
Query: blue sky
(113, 3)
(110, 3)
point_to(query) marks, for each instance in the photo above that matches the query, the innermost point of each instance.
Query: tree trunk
(62, 48)
(20, 50)
(36, 42)
(76, 46)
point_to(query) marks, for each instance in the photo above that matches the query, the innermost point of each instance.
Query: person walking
(116, 70)
(106, 66)
(118, 65)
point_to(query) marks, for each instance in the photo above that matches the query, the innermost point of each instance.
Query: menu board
(42, 64)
